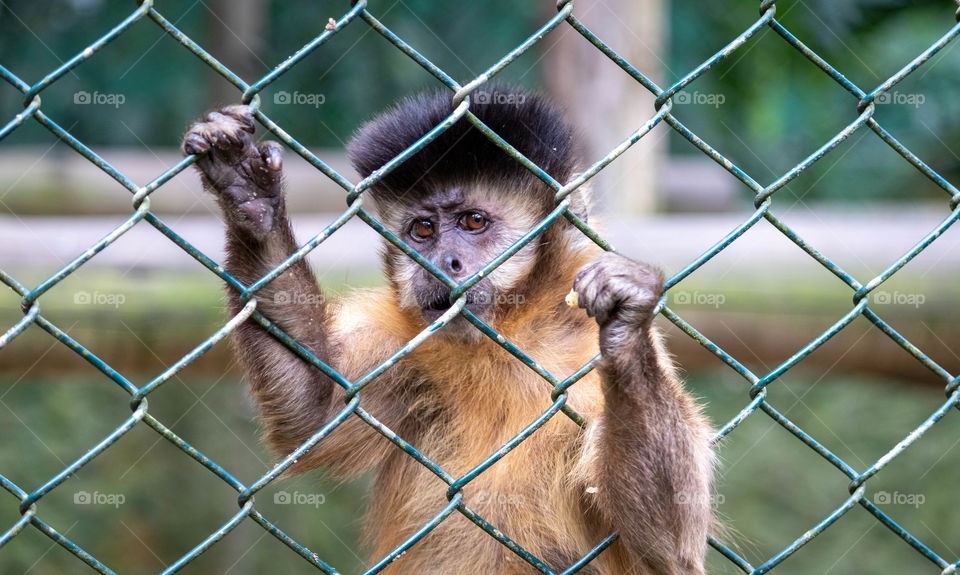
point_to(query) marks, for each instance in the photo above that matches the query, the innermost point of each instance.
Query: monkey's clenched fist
(616, 289)
(245, 178)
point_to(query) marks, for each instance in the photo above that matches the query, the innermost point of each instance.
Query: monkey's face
(460, 231)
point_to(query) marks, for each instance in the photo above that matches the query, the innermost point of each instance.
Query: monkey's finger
(241, 114)
(194, 143)
(272, 154)
(584, 277)
(226, 131)
(586, 286)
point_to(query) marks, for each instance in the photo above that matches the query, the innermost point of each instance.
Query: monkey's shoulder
(368, 327)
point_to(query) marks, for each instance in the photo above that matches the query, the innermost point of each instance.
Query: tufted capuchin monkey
(641, 466)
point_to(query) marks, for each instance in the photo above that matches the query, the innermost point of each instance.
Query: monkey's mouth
(440, 303)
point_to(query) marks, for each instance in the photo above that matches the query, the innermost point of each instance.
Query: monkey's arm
(295, 398)
(649, 451)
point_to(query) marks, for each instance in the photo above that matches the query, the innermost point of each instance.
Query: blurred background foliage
(779, 103)
(171, 503)
(775, 100)
(163, 81)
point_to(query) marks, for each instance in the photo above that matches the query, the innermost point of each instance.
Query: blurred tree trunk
(236, 32)
(604, 102)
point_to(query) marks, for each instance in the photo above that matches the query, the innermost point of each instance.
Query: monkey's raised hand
(617, 290)
(653, 445)
(245, 178)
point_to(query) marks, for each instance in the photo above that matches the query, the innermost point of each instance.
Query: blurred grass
(141, 320)
(144, 292)
(771, 488)
(169, 502)
(146, 320)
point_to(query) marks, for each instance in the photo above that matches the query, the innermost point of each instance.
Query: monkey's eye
(422, 229)
(472, 221)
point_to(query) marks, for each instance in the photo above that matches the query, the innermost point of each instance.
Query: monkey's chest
(523, 494)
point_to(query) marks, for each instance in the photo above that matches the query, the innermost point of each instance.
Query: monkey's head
(461, 200)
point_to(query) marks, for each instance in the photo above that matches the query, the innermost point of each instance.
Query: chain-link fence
(864, 101)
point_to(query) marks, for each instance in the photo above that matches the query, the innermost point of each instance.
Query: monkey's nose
(452, 263)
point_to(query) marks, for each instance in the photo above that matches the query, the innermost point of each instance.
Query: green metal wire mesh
(358, 15)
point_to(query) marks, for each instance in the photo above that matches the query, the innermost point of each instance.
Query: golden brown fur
(486, 397)
(642, 466)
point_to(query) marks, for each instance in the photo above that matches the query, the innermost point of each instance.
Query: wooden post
(605, 103)
(236, 32)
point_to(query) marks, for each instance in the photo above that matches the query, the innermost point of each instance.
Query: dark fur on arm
(292, 394)
(651, 455)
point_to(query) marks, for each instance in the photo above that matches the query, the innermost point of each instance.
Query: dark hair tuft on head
(462, 153)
